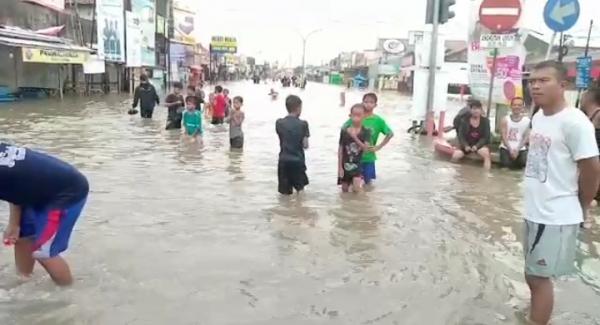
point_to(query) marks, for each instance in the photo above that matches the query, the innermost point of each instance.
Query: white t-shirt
(515, 132)
(556, 143)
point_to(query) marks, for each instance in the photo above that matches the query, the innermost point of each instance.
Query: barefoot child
(354, 140)
(46, 196)
(293, 139)
(236, 135)
(192, 119)
(376, 126)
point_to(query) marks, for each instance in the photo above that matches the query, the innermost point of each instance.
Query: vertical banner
(111, 30)
(509, 63)
(134, 39)
(145, 10)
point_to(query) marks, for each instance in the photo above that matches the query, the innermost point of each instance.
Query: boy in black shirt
(354, 140)
(176, 105)
(293, 139)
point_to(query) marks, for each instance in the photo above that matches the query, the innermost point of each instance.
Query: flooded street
(176, 234)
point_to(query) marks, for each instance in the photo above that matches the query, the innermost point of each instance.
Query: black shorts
(291, 175)
(349, 177)
(507, 161)
(217, 120)
(237, 142)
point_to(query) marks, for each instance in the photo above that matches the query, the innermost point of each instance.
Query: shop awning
(42, 48)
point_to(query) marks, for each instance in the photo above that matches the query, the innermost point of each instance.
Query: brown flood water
(176, 234)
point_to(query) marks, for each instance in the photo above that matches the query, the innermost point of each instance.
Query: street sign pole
(492, 78)
(560, 47)
(432, 66)
(550, 46)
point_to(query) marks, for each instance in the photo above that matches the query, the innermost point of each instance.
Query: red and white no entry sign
(500, 15)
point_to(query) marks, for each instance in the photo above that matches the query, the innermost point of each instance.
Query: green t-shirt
(192, 121)
(378, 126)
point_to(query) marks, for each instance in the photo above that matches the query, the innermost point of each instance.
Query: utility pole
(304, 41)
(433, 56)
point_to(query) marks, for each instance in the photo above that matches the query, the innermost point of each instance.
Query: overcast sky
(271, 29)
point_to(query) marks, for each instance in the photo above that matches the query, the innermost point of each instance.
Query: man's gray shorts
(549, 249)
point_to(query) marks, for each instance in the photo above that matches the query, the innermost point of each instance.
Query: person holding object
(145, 95)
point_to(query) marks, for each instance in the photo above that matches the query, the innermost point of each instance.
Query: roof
(17, 37)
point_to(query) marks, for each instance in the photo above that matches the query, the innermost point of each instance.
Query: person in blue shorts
(46, 197)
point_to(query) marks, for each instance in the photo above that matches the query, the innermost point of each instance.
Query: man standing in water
(46, 196)
(146, 96)
(561, 180)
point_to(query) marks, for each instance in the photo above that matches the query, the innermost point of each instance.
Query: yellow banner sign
(223, 42)
(54, 56)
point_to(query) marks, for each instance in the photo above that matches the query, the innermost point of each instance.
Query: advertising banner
(111, 30)
(222, 44)
(184, 26)
(509, 63)
(134, 39)
(52, 4)
(94, 65)
(54, 56)
(145, 10)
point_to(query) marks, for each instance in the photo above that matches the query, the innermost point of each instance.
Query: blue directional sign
(561, 15)
(584, 69)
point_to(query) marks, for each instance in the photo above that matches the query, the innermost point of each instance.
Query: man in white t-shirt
(561, 180)
(515, 135)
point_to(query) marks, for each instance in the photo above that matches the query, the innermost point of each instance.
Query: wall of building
(27, 15)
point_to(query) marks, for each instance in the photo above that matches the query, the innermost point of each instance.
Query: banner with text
(509, 62)
(145, 10)
(111, 30)
(223, 44)
(54, 56)
(134, 39)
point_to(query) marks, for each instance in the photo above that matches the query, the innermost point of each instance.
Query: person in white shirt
(515, 135)
(561, 180)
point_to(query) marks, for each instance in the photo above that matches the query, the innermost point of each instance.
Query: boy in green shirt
(192, 119)
(377, 126)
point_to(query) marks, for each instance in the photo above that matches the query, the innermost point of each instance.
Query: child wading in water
(236, 118)
(377, 126)
(192, 120)
(354, 140)
(293, 139)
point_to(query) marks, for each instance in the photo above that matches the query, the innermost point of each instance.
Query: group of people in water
(561, 179)
(187, 112)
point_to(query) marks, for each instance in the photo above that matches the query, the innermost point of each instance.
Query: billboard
(223, 44)
(111, 30)
(134, 39)
(145, 10)
(509, 63)
(52, 4)
(184, 26)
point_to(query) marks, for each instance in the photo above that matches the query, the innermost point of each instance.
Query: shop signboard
(111, 30)
(54, 56)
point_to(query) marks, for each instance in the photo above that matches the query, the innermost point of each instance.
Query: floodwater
(176, 234)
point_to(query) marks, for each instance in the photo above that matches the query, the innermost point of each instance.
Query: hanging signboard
(54, 56)
(58, 5)
(94, 65)
(509, 60)
(134, 39)
(111, 30)
(145, 10)
(222, 44)
(584, 69)
(160, 25)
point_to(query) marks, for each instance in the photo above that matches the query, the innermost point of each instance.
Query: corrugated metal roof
(16, 42)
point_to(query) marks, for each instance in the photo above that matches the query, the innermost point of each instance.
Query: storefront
(44, 63)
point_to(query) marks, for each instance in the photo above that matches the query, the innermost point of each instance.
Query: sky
(272, 30)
